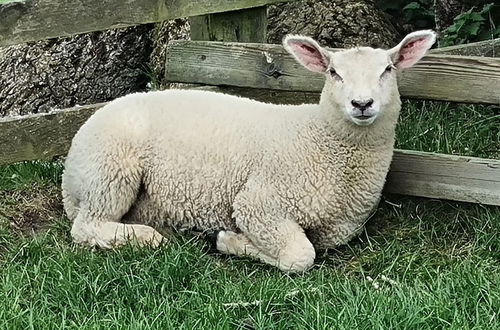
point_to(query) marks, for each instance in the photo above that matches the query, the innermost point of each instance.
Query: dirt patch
(32, 209)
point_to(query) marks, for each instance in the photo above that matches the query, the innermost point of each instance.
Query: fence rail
(41, 136)
(437, 77)
(486, 48)
(32, 20)
(433, 175)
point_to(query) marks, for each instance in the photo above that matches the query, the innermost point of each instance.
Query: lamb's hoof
(210, 237)
(147, 236)
(229, 242)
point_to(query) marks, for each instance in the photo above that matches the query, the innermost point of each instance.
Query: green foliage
(20, 174)
(473, 25)
(417, 13)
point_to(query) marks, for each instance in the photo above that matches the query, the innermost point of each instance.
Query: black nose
(362, 104)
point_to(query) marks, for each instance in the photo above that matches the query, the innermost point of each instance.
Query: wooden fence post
(247, 25)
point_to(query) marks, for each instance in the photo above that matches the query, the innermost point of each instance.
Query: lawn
(420, 264)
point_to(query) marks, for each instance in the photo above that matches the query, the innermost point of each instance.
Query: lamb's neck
(325, 132)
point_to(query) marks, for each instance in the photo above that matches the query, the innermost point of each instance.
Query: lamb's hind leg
(108, 194)
(106, 233)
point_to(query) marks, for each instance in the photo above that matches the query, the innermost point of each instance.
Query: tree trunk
(162, 34)
(64, 72)
(337, 23)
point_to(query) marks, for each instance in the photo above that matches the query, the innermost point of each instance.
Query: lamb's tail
(71, 206)
(70, 201)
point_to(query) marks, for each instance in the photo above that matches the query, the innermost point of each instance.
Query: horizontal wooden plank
(32, 20)
(262, 95)
(442, 176)
(488, 48)
(41, 136)
(436, 77)
(414, 173)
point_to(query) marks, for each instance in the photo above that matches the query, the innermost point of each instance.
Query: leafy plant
(473, 25)
(418, 13)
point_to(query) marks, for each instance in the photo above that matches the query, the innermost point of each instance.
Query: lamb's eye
(388, 70)
(335, 75)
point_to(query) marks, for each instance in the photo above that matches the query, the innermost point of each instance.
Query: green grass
(468, 130)
(420, 264)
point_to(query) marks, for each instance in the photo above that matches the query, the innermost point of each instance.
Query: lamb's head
(361, 84)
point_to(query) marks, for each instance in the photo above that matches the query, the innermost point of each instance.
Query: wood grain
(262, 95)
(41, 136)
(414, 173)
(442, 176)
(32, 20)
(487, 48)
(246, 25)
(437, 77)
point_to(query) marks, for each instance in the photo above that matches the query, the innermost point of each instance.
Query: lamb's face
(361, 83)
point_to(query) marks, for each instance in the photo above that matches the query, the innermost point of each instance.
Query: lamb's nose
(362, 104)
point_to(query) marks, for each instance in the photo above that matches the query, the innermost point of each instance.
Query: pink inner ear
(309, 56)
(411, 52)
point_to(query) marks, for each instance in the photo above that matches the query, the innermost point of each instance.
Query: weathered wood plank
(262, 95)
(487, 48)
(413, 173)
(460, 178)
(247, 25)
(436, 77)
(41, 136)
(32, 20)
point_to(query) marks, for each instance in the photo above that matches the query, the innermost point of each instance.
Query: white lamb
(280, 180)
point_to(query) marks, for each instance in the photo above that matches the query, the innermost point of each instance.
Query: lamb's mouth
(363, 117)
(364, 120)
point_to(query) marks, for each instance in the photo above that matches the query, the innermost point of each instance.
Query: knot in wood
(273, 70)
(10, 13)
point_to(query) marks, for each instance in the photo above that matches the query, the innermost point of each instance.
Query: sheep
(281, 181)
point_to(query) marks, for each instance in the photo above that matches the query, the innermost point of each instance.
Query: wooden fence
(253, 69)
(31, 20)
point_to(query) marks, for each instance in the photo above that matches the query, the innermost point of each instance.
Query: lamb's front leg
(295, 254)
(268, 232)
(329, 237)
(229, 242)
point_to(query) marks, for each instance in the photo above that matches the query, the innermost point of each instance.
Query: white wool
(282, 181)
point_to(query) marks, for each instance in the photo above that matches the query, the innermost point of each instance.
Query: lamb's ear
(307, 52)
(412, 48)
